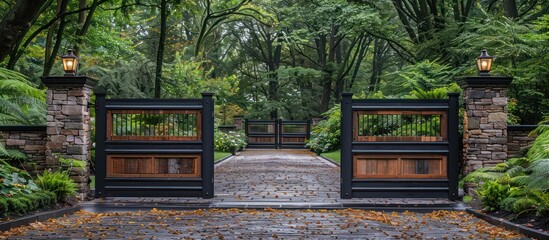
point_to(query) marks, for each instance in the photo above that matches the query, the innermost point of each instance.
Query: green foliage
(229, 142)
(492, 193)
(21, 103)
(24, 203)
(4, 207)
(436, 93)
(15, 181)
(19, 193)
(521, 52)
(540, 147)
(325, 136)
(68, 163)
(421, 77)
(58, 182)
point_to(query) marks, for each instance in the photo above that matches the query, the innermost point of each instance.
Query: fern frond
(539, 176)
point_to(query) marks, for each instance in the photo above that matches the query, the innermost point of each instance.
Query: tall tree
(160, 49)
(17, 23)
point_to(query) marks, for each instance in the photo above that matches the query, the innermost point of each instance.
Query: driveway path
(277, 176)
(262, 224)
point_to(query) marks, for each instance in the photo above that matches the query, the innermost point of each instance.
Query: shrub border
(529, 232)
(39, 217)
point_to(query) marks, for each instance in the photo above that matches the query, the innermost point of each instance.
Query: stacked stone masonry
(485, 137)
(29, 140)
(485, 121)
(518, 138)
(68, 124)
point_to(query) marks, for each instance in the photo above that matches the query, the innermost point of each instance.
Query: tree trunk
(380, 47)
(51, 51)
(17, 23)
(510, 7)
(160, 52)
(81, 20)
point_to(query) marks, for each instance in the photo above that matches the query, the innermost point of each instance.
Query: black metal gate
(277, 133)
(154, 147)
(399, 148)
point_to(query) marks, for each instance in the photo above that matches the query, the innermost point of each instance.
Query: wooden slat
(261, 139)
(397, 166)
(150, 166)
(293, 139)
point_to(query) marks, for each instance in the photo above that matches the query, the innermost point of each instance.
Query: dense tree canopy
(282, 58)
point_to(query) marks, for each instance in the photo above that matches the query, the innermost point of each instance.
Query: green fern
(21, 103)
(483, 175)
(492, 194)
(538, 177)
(58, 182)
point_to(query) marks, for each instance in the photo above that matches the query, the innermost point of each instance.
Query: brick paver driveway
(262, 224)
(277, 176)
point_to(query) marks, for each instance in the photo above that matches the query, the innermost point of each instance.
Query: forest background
(267, 59)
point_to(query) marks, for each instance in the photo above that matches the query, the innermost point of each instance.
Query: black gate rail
(397, 155)
(277, 133)
(154, 147)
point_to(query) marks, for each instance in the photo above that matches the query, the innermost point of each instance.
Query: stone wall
(30, 140)
(517, 138)
(485, 121)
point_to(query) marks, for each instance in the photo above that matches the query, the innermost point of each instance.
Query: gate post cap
(346, 94)
(206, 94)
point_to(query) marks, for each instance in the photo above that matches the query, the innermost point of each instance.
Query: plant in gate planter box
(229, 142)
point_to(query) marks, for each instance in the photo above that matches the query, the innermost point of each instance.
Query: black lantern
(484, 63)
(70, 63)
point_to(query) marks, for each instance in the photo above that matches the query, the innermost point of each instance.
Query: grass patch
(334, 156)
(220, 155)
(92, 183)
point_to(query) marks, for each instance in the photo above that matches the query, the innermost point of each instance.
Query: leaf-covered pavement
(267, 223)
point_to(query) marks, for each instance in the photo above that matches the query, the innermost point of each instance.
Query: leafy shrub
(58, 182)
(229, 142)
(492, 194)
(4, 209)
(24, 203)
(325, 136)
(15, 205)
(14, 181)
(18, 192)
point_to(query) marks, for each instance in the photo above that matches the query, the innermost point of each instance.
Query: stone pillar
(238, 122)
(485, 123)
(68, 124)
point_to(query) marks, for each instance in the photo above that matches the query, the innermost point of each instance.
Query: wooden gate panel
(399, 148)
(277, 133)
(154, 147)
